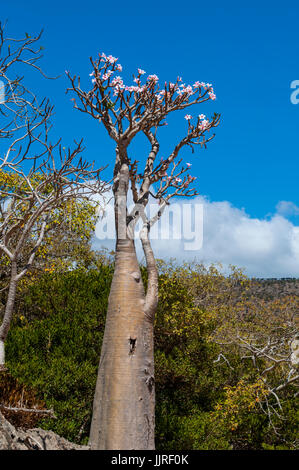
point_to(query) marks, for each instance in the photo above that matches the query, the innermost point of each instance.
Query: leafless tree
(37, 177)
(19, 106)
(266, 334)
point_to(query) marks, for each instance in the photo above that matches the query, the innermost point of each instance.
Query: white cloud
(263, 247)
(287, 208)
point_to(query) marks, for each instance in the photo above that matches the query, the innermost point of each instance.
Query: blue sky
(249, 53)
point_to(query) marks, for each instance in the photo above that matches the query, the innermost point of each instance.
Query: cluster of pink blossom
(204, 125)
(106, 75)
(161, 94)
(151, 86)
(152, 78)
(118, 81)
(204, 122)
(210, 88)
(184, 89)
(190, 89)
(135, 89)
(118, 85)
(108, 58)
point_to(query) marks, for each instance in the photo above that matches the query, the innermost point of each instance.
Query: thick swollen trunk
(124, 402)
(4, 328)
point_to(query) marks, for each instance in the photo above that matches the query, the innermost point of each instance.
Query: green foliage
(55, 344)
(54, 347)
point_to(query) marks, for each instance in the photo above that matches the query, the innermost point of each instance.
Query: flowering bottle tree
(124, 402)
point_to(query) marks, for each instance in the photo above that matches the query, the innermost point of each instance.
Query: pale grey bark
(4, 328)
(2, 354)
(123, 410)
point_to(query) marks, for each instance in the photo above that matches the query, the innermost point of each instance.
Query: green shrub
(55, 345)
(54, 348)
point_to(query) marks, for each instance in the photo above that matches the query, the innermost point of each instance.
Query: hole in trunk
(132, 343)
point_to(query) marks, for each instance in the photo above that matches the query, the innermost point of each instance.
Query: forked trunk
(124, 402)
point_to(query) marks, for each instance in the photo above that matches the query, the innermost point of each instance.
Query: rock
(32, 439)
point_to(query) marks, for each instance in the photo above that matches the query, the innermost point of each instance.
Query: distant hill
(272, 288)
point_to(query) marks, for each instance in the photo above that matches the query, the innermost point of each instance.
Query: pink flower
(107, 75)
(202, 116)
(118, 85)
(154, 78)
(204, 124)
(141, 72)
(187, 89)
(116, 91)
(135, 89)
(111, 59)
(188, 165)
(91, 74)
(212, 96)
(118, 81)
(188, 117)
(119, 67)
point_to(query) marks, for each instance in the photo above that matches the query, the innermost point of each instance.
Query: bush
(55, 345)
(54, 348)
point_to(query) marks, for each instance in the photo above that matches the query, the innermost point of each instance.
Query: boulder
(12, 438)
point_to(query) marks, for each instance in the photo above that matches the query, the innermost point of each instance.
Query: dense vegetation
(208, 397)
